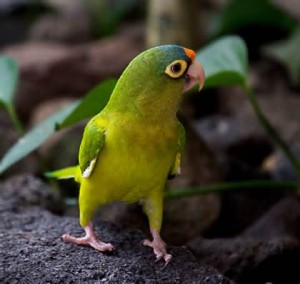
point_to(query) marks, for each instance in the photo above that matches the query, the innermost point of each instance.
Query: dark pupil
(176, 67)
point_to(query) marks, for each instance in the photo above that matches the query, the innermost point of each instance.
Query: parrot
(135, 143)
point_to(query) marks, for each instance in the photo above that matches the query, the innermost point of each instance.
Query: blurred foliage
(9, 76)
(287, 53)
(106, 15)
(239, 14)
(258, 22)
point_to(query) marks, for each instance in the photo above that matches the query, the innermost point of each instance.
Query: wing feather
(91, 145)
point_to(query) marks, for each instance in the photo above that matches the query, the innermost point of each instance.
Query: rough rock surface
(23, 191)
(31, 251)
(248, 260)
(268, 251)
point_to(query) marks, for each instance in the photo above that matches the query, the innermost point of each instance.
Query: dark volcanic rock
(249, 260)
(268, 251)
(25, 190)
(279, 167)
(31, 251)
(282, 220)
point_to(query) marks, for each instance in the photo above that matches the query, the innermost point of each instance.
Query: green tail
(65, 173)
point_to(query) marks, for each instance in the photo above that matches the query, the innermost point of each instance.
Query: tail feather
(65, 173)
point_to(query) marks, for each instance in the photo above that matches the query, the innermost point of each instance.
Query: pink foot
(89, 239)
(159, 247)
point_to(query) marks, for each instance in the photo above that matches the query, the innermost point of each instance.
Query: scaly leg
(89, 239)
(153, 208)
(159, 247)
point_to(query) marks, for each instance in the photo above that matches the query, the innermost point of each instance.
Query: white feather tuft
(88, 171)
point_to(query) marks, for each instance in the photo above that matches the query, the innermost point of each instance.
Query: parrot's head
(156, 78)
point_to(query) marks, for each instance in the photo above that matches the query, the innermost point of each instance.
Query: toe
(100, 246)
(69, 239)
(167, 258)
(108, 247)
(147, 243)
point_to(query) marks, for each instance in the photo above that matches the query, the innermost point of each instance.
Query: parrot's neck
(157, 106)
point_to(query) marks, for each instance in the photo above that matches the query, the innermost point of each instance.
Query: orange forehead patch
(190, 53)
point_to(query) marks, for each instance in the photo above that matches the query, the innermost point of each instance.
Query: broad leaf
(225, 62)
(244, 13)
(34, 138)
(91, 104)
(8, 80)
(287, 53)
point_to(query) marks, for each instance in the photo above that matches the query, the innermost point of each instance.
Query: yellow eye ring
(176, 68)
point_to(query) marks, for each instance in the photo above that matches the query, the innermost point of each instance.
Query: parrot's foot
(159, 247)
(89, 239)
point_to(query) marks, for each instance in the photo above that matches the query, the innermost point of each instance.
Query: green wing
(180, 150)
(91, 145)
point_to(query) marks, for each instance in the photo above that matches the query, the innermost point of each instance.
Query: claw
(159, 248)
(89, 239)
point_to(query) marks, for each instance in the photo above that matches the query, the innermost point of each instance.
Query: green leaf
(225, 62)
(287, 53)
(9, 76)
(8, 80)
(34, 138)
(243, 13)
(91, 104)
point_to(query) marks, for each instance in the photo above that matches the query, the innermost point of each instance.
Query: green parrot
(135, 143)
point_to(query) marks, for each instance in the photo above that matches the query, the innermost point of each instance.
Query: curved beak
(195, 74)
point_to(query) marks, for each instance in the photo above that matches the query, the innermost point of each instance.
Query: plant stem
(17, 123)
(254, 184)
(271, 131)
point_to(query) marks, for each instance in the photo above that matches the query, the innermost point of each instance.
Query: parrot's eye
(176, 68)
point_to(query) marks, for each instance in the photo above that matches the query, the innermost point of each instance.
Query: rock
(283, 113)
(25, 191)
(279, 167)
(239, 150)
(241, 208)
(248, 260)
(266, 251)
(281, 220)
(30, 237)
(51, 70)
(279, 105)
(69, 24)
(223, 132)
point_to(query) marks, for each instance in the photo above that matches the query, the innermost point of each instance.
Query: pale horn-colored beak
(195, 74)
